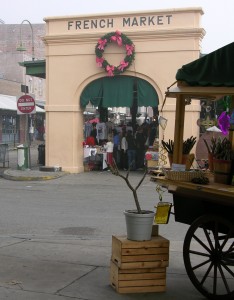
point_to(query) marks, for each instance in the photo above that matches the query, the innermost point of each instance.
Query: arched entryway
(120, 91)
(119, 104)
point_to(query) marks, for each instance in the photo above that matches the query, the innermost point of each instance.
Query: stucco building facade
(164, 40)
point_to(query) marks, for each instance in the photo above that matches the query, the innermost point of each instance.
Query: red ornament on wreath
(122, 41)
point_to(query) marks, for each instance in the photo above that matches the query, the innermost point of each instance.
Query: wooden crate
(137, 280)
(128, 254)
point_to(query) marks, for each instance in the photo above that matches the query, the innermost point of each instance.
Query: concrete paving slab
(7, 241)
(69, 268)
(178, 288)
(10, 294)
(83, 252)
(39, 275)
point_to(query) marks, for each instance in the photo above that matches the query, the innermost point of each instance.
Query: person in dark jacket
(140, 144)
(94, 133)
(116, 150)
(131, 153)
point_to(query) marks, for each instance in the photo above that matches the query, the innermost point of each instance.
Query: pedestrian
(116, 149)
(140, 145)
(152, 133)
(131, 153)
(123, 152)
(93, 133)
(108, 146)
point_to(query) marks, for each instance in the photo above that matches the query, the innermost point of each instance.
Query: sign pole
(28, 143)
(26, 105)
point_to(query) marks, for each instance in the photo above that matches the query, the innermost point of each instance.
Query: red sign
(26, 105)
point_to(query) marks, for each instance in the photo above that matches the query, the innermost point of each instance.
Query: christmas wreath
(121, 40)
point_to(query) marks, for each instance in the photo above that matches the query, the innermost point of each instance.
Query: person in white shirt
(109, 146)
(123, 153)
(101, 132)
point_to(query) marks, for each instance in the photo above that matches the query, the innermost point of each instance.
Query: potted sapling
(139, 222)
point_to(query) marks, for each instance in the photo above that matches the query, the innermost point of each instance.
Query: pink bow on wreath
(224, 122)
(102, 44)
(99, 61)
(123, 65)
(129, 49)
(110, 70)
(117, 38)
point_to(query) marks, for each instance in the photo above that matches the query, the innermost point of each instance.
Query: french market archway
(163, 40)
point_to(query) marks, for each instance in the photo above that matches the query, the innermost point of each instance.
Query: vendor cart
(208, 248)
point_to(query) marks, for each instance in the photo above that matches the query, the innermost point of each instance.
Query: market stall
(95, 158)
(206, 205)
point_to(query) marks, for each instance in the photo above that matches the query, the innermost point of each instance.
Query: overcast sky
(217, 20)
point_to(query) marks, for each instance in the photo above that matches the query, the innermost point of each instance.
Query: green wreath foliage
(122, 40)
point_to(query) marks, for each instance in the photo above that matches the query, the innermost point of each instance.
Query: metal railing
(4, 154)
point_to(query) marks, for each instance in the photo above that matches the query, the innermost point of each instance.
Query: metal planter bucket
(139, 226)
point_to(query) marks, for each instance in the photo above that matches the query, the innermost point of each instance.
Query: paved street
(55, 237)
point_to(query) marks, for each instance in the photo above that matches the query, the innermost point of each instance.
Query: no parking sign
(26, 105)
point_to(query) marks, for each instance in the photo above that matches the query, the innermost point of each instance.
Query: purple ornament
(224, 122)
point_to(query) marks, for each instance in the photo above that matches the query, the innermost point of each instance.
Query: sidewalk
(35, 172)
(72, 260)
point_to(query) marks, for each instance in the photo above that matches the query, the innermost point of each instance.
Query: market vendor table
(151, 158)
(93, 152)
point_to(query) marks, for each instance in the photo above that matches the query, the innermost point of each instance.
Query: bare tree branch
(115, 171)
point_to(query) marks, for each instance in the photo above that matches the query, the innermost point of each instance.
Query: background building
(12, 77)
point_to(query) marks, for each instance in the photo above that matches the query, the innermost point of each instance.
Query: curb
(17, 175)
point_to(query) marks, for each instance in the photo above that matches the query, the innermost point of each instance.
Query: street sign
(26, 105)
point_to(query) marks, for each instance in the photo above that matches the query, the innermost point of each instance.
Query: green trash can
(22, 157)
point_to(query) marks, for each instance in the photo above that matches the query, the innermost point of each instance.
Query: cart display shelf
(212, 191)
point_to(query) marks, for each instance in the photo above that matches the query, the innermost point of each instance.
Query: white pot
(139, 226)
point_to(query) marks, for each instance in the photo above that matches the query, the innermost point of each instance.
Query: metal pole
(27, 138)
(21, 48)
(28, 145)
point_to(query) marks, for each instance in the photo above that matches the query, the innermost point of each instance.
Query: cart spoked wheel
(209, 256)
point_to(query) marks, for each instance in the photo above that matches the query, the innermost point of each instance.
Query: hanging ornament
(207, 122)
(162, 122)
(162, 157)
(224, 122)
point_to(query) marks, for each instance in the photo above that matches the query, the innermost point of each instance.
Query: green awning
(214, 69)
(92, 93)
(35, 68)
(119, 91)
(147, 95)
